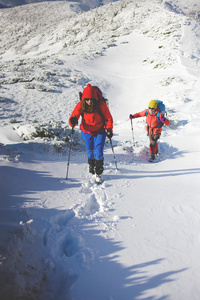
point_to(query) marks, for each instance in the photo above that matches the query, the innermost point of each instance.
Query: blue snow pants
(94, 145)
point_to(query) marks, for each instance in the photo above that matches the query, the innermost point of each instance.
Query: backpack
(100, 95)
(161, 107)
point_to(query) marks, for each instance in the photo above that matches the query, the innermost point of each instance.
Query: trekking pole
(70, 146)
(132, 133)
(113, 154)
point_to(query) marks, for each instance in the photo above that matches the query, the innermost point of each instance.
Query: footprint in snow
(90, 207)
(63, 218)
(86, 188)
(70, 245)
(61, 240)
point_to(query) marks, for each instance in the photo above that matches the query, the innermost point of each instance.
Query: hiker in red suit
(155, 120)
(96, 123)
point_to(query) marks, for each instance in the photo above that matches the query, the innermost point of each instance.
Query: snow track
(136, 236)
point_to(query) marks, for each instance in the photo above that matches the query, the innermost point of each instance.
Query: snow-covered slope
(137, 235)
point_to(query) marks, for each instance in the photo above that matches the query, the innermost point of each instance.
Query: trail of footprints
(95, 200)
(63, 236)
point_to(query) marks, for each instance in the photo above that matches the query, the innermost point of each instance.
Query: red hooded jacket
(96, 121)
(153, 125)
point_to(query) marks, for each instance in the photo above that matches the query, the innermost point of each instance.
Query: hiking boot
(91, 163)
(98, 179)
(99, 166)
(151, 158)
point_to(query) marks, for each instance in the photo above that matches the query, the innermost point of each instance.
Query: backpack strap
(158, 119)
(158, 116)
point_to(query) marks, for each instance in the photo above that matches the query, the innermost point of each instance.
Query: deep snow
(137, 235)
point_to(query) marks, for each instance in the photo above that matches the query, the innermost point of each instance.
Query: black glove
(131, 117)
(74, 121)
(109, 134)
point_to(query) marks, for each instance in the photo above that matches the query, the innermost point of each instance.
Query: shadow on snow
(59, 256)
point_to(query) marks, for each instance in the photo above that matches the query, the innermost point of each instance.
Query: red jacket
(96, 121)
(154, 126)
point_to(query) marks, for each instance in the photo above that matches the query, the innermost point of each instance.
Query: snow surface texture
(136, 236)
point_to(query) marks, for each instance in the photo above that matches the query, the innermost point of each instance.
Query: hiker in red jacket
(155, 120)
(96, 123)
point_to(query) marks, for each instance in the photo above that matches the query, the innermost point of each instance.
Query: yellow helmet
(153, 104)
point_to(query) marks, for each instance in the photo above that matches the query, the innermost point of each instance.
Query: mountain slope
(137, 235)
